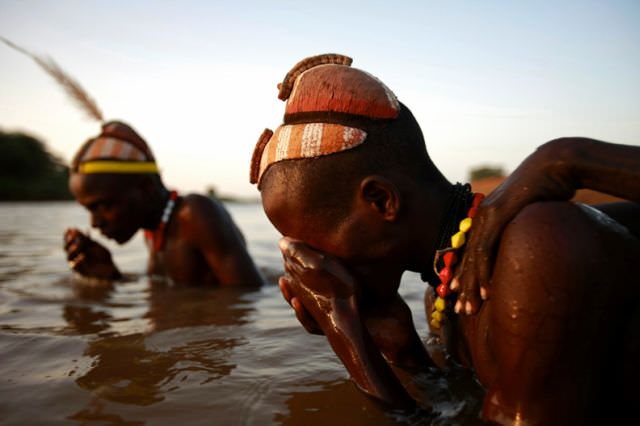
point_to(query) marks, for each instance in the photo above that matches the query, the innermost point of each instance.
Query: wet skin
(552, 173)
(563, 295)
(202, 244)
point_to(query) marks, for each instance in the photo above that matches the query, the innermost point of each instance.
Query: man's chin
(118, 238)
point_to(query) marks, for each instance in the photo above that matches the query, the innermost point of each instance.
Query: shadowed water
(143, 354)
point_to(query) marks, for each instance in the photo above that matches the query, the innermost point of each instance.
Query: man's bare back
(563, 288)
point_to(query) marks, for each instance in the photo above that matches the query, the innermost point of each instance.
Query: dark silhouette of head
(355, 203)
(115, 177)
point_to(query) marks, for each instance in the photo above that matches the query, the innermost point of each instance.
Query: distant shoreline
(239, 200)
(225, 199)
(485, 186)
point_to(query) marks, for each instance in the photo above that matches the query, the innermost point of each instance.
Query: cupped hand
(313, 283)
(304, 317)
(88, 257)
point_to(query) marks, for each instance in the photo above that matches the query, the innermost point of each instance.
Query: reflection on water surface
(142, 353)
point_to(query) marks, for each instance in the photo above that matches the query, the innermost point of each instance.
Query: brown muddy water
(142, 354)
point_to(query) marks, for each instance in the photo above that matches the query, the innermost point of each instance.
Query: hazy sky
(488, 81)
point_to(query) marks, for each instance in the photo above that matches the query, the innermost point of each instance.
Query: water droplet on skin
(514, 309)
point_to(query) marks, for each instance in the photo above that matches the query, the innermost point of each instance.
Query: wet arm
(589, 163)
(325, 290)
(356, 349)
(556, 170)
(553, 172)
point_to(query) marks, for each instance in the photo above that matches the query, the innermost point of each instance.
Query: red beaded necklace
(447, 258)
(156, 237)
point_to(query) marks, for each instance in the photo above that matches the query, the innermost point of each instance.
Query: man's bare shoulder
(563, 239)
(200, 216)
(561, 223)
(196, 207)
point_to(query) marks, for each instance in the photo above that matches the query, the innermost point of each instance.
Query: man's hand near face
(88, 257)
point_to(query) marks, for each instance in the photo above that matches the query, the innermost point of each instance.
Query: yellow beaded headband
(106, 154)
(91, 167)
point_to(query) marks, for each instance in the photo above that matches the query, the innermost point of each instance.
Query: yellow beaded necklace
(448, 258)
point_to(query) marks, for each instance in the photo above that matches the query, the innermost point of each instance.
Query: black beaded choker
(458, 204)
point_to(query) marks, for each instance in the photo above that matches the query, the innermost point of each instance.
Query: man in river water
(348, 181)
(191, 239)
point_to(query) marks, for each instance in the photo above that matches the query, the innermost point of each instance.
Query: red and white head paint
(322, 84)
(117, 149)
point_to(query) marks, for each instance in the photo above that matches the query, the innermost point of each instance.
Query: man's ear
(382, 195)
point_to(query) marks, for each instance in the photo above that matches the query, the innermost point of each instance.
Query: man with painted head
(191, 239)
(348, 182)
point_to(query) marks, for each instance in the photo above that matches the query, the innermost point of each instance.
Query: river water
(142, 354)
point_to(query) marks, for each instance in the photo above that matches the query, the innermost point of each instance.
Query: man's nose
(97, 221)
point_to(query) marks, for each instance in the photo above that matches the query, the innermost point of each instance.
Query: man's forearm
(601, 166)
(354, 346)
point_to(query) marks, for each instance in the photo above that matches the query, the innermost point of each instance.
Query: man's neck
(430, 217)
(157, 205)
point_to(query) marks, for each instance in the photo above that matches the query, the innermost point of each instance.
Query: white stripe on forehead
(113, 148)
(107, 148)
(348, 134)
(283, 143)
(126, 149)
(311, 138)
(296, 141)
